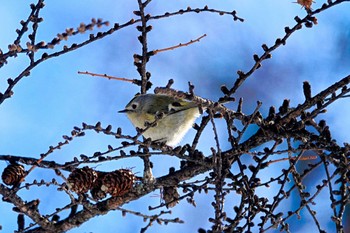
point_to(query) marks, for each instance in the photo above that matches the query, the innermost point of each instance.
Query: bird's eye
(134, 106)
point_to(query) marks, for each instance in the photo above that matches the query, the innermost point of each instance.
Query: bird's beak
(124, 111)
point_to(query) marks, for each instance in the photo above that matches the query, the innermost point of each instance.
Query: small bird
(178, 116)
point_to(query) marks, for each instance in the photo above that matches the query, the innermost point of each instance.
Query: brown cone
(115, 183)
(13, 174)
(170, 196)
(82, 180)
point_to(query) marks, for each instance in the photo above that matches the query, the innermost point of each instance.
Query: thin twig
(303, 158)
(179, 45)
(107, 76)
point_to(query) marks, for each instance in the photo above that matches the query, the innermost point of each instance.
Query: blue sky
(54, 98)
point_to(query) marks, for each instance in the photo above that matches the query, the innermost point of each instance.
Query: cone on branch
(170, 196)
(115, 183)
(13, 174)
(82, 180)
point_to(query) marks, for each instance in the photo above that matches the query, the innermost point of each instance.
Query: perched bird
(178, 116)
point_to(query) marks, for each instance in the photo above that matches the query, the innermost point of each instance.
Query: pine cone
(170, 196)
(13, 174)
(115, 183)
(82, 180)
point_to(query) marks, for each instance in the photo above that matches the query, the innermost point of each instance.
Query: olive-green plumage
(179, 116)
